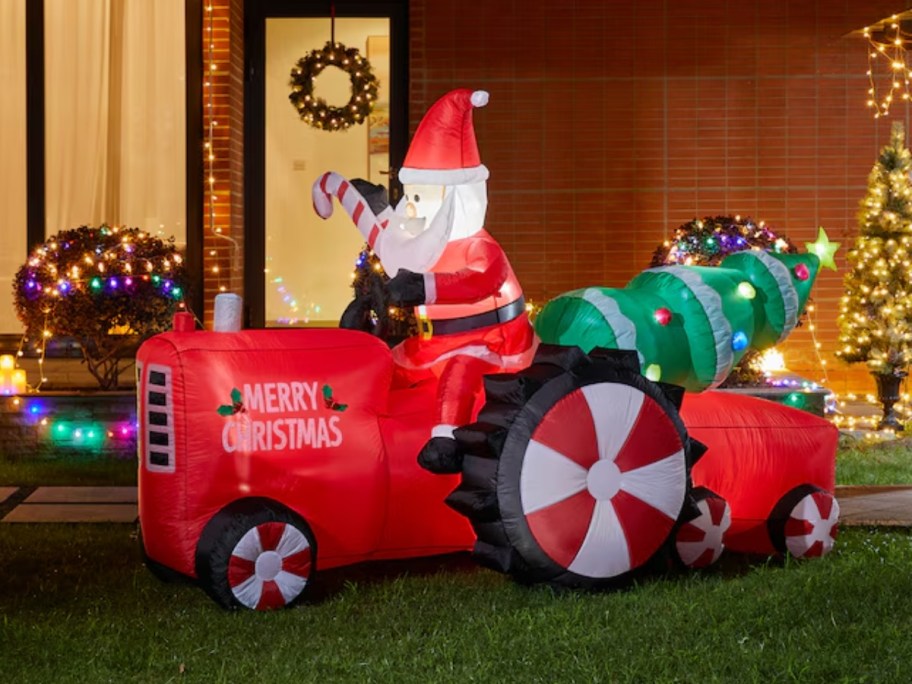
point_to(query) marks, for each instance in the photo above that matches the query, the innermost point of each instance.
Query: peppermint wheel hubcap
(270, 565)
(812, 526)
(603, 480)
(699, 541)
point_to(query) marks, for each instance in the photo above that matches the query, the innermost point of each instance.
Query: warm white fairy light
(209, 148)
(887, 61)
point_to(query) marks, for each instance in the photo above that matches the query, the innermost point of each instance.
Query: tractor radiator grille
(158, 437)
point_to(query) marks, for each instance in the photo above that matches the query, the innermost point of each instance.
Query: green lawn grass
(857, 463)
(77, 605)
(73, 471)
(874, 463)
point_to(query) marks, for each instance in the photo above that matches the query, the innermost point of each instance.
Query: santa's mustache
(415, 243)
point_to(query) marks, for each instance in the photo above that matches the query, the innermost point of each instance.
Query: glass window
(13, 191)
(309, 261)
(115, 114)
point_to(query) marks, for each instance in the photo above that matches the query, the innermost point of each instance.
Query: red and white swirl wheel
(603, 480)
(699, 542)
(269, 566)
(812, 525)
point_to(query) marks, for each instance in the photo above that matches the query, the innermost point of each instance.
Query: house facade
(609, 125)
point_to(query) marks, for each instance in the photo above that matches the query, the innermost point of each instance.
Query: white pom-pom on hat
(480, 98)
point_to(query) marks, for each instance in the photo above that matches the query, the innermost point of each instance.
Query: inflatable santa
(468, 302)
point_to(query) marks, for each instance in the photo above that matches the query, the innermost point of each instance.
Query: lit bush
(108, 288)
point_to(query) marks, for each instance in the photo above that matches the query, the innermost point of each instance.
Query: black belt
(448, 326)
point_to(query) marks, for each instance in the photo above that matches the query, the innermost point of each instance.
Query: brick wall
(223, 208)
(611, 123)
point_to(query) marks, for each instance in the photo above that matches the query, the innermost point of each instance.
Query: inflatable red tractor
(265, 454)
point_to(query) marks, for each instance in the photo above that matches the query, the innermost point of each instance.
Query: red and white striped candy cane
(330, 185)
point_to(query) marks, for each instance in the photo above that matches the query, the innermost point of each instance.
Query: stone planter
(75, 424)
(888, 395)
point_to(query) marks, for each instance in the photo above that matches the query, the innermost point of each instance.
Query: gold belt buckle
(425, 325)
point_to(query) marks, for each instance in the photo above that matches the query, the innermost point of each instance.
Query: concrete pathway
(73, 505)
(887, 506)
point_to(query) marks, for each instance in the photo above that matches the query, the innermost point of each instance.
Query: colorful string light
(81, 276)
(65, 432)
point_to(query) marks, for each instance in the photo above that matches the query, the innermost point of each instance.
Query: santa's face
(419, 230)
(419, 205)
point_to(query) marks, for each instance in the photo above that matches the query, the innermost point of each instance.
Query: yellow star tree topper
(823, 248)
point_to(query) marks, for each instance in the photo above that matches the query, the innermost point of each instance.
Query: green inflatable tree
(690, 324)
(876, 315)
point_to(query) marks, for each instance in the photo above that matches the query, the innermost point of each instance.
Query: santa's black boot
(441, 455)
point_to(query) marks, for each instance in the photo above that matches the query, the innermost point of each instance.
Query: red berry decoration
(662, 316)
(802, 272)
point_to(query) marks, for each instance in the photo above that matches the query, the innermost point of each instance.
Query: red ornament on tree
(662, 316)
(802, 272)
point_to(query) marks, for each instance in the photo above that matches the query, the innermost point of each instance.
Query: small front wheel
(699, 541)
(805, 522)
(256, 554)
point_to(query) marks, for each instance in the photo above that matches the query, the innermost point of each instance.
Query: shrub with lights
(706, 241)
(108, 288)
(371, 309)
(875, 320)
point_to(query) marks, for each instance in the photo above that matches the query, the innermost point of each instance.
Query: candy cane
(330, 185)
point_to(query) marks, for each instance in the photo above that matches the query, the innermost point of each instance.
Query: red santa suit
(472, 320)
(475, 322)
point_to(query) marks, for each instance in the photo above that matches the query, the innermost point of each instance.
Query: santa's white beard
(413, 243)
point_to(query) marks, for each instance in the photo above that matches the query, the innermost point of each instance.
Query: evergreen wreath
(315, 110)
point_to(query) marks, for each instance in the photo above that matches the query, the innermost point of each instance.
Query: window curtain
(13, 197)
(115, 114)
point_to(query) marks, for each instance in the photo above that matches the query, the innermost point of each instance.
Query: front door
(298, 266)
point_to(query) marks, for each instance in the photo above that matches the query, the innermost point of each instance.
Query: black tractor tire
(576, 472)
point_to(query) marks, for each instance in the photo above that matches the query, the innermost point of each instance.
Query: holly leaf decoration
(331, 403)
(236, 406)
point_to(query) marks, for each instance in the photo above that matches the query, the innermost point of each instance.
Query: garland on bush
(315, 110)
(107, 287)
(706, 241)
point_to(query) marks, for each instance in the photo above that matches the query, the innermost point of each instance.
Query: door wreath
(315, 111)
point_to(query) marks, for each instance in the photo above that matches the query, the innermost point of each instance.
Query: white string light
(209, 147)
(887, 46)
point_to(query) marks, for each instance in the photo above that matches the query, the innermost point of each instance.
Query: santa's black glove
(406, 288)
(375, 195)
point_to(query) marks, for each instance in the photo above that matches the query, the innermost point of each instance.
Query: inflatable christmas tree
(690, 324)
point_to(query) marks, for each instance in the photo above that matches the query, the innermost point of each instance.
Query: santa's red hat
(444, 151)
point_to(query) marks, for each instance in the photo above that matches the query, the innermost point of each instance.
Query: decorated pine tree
(371, 309)
(876, 315)
(690, 324)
